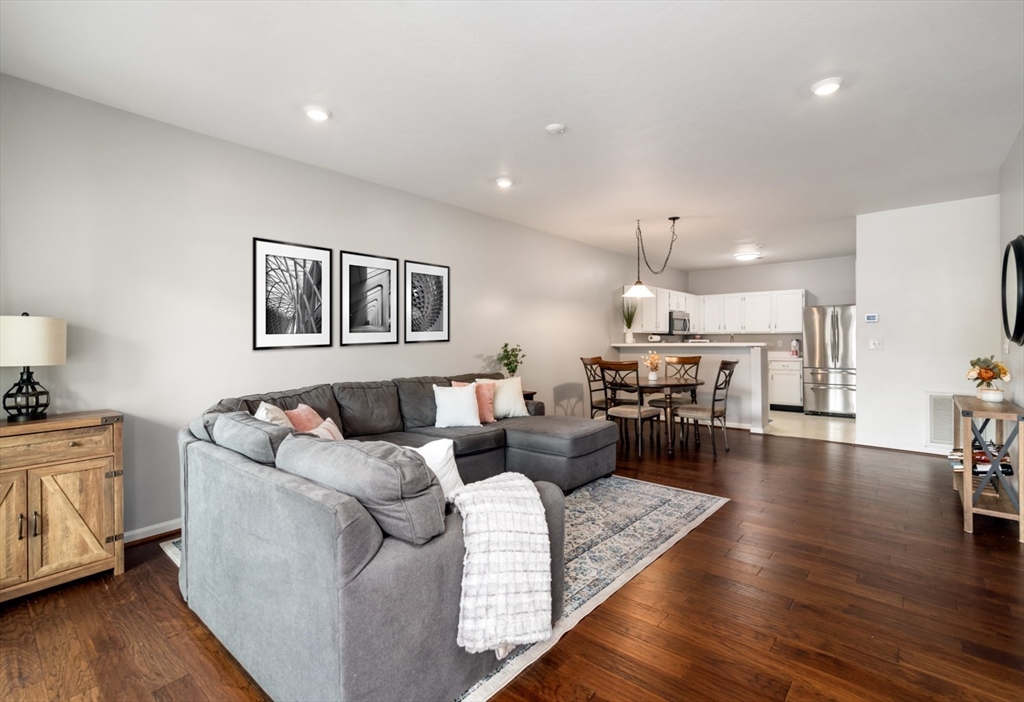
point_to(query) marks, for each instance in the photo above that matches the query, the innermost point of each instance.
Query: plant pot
(990, 394)
(653, 375)
(629, 336)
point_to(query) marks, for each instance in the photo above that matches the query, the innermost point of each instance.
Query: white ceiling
(701, 110)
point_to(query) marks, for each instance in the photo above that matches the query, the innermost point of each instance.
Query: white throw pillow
(327, 430)
(440, 457)
(508, 397)
(274, 415)
(457, 407)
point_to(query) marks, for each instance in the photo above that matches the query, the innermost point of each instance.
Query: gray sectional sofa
(299, 581)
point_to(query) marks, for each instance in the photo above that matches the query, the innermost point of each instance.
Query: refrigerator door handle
(835, 335)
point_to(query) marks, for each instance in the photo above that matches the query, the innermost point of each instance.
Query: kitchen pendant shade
(638, 289)
(33, 341)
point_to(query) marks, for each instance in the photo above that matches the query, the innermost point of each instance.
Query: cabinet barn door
(75, 507)
(13, 530)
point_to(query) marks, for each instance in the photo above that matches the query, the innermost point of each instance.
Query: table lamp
(30, 341)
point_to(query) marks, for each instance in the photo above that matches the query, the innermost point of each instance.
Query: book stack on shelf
(980, 460)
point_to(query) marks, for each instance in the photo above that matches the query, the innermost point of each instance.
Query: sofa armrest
(267, 553)
(535, 408)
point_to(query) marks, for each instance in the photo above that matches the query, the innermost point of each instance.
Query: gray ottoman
(566, 451)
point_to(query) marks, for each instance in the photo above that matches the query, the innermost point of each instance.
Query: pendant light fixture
(638, 289)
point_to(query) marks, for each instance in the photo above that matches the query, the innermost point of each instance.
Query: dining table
(671, 387)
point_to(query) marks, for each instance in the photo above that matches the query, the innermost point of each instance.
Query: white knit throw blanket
(506, 574)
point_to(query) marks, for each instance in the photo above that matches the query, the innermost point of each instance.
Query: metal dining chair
(683, 369)
(714, 413)
(623, 376)
(595, 386)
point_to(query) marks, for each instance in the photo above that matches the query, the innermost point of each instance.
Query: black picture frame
(292, 295)
(427, 302)
(369, 299)
(1013, 290)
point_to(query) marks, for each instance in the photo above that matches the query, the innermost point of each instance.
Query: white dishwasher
(785, 382)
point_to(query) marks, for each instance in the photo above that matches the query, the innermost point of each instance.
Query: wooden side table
(61, 500)
(1003, 499)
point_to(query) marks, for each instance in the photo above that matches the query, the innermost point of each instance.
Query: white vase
(653, 375)
(629, 336)
(990, 394)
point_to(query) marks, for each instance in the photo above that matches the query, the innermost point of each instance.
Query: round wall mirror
(1013, 290)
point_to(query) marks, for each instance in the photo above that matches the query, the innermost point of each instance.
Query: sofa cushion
(319, 397)
(416, 399)
(560, 436)
(394, 484)
(253, 438)
(368, 408)
(398, 438)
(468, 440)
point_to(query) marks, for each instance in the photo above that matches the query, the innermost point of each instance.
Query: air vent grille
(940, 419)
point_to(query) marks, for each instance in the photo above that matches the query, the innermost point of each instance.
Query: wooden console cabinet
(61, 492)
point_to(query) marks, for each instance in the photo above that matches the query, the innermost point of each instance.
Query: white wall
(1011, 225)
(932, 275)
(140, 235)
(828, 281)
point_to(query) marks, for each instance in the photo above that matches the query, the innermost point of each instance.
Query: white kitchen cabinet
(713, 317)
(732, 314)
(788, 311)
(757, 312)
(785, 383)
(676, 303)
(693, 308)
(653, 312)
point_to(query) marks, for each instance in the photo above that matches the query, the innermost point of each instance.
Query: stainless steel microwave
(679, 323)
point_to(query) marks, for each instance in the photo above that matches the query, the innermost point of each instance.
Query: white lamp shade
(33, 341)
(638, 289)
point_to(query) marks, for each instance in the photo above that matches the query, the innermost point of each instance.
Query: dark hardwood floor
(835, 572)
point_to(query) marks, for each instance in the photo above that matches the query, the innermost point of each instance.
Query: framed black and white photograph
(369, 299)
(426, 302)
(291, 295)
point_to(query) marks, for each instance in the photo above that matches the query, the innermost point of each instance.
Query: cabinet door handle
(72, 444)
(21, 527)
(35, 524)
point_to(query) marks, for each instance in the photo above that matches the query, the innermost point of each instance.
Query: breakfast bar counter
(748, 394)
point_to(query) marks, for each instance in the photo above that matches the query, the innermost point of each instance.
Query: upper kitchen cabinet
(653, 312)
(732, 313)
(713, 316)
(757, 313)
(788, 311)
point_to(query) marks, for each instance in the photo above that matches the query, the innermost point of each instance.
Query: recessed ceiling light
(555, 128)
(504, 182)
(317, 113)
(747, 256)
(827, 86)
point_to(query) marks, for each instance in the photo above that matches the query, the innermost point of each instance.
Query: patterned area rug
(173, 550)
(614, 528)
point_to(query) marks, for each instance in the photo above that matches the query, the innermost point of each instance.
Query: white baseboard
(152, 530)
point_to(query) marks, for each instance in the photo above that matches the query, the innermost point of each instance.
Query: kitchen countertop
(690, 345)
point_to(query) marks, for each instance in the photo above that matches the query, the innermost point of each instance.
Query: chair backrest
(682, 368)
(595, 383)
(725, 371)
(619, 376)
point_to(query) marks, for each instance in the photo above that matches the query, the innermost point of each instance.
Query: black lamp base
(27, 400)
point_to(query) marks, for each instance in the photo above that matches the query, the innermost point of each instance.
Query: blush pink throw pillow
(304, 418)
(484, 400)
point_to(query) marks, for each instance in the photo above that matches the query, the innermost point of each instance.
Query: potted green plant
(628, 315)
(511, 357)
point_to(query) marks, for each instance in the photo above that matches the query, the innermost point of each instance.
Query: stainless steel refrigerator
(830, 360)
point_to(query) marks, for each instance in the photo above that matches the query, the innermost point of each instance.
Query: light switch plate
(876, 344)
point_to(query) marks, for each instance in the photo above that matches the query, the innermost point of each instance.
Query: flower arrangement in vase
(984, 371)
(653, 362)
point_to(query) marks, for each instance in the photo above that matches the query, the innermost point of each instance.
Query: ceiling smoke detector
(317, 113)
(827, 86)
(555, 128)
